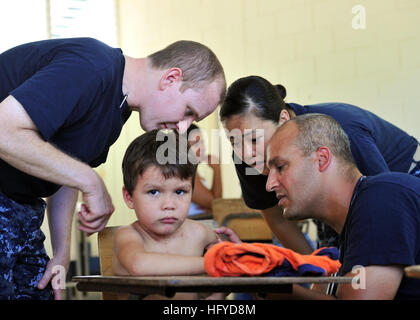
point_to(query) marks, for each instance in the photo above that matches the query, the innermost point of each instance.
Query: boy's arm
(130, 254)
(210, 237)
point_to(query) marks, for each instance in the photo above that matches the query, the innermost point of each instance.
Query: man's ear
(127, 198)
(284, 116)
(324, 158)
(170, 77)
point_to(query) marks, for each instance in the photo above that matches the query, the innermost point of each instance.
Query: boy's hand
(224, 232)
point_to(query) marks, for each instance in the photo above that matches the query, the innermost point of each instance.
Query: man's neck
(133, 80)
(340, 195)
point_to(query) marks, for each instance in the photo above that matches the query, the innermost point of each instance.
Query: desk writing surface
(170, 284)
(412, 271)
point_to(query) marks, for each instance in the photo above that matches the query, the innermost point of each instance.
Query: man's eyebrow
(273, 161)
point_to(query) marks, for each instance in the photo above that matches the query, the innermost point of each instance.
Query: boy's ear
(127, 198)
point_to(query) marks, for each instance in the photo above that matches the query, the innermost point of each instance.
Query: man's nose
(183, 125)
(272, 182)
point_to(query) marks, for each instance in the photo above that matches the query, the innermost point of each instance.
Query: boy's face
(161, 204)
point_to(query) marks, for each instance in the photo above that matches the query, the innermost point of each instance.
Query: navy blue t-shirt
(383, 227)
(72, 90)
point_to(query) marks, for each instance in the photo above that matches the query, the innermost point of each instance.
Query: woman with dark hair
(252, 110)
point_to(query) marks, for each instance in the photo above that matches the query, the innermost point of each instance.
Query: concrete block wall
(310, 46)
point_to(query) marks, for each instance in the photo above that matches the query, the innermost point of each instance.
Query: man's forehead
(281, 141)
(207, 102)
(286, 133)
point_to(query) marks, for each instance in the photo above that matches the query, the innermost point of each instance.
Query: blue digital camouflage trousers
(22, 254)
(416, 170)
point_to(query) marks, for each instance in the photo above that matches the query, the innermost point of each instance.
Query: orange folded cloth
(256, 259)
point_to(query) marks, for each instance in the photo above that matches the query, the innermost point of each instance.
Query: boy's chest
(180, 246)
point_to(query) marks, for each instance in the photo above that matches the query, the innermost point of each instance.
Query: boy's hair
(146, 150)
(198, 63)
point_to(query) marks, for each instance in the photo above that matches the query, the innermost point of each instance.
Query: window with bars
(24, 21)
(84, 18)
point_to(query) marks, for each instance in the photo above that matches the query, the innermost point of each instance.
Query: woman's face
(249, 136)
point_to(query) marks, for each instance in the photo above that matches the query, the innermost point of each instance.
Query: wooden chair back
(248, 223)
(106, 247)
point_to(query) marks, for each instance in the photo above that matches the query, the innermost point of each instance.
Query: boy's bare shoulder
(200, 229)
(127, 233)
(124, 230)
(197, 225)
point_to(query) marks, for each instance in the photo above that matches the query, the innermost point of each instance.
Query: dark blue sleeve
(54, 91)
(382, 229)
(366, 154)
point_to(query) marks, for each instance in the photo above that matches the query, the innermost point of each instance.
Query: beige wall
(309, 46)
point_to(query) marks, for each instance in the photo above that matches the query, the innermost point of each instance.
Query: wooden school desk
(169, 285)
(412, 271)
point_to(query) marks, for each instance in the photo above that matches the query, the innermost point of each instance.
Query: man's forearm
(27, 152)
(60, 209)
(22, 147)
(299, 293)
(286, 231)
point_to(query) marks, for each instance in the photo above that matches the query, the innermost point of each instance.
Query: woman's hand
(229, 233)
